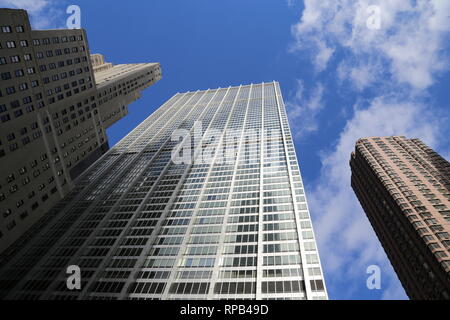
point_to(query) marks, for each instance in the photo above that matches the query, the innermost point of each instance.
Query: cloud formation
(305, 108)
(388, 71)
(409, 41)
(44, 14)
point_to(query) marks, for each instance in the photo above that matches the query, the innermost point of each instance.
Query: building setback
(55, 106)
(141, 224)
(404, 188)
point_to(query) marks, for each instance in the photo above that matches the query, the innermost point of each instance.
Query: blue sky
(341, 79)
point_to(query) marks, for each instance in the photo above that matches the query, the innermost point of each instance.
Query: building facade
(56, 102)
(404, 188)
(203, 200)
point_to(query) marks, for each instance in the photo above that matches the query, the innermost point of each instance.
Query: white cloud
(440, 20)
(31, 6)
(44, 14)
(398, 62)
(409, 42)
(303, 109)
(360, 74)
(324, 55)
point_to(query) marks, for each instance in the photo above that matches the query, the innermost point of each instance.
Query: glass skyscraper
(203, 200)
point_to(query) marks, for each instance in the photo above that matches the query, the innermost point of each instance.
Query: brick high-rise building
(404, 188)
(55, 106)
(141, 224)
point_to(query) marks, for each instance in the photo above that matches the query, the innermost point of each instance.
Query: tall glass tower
(203, 200)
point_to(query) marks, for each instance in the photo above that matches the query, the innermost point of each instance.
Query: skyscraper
(55, 106)
(404, 188)
(203, 200)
